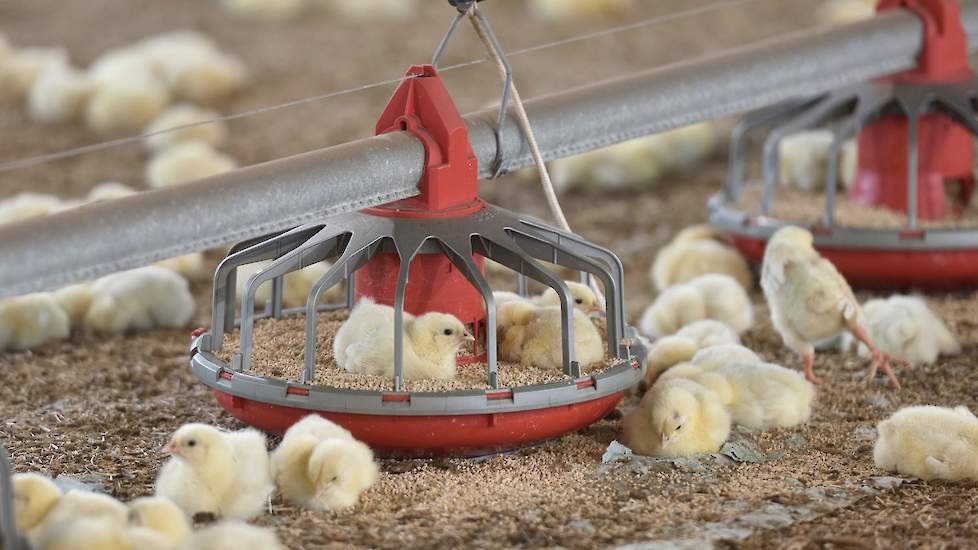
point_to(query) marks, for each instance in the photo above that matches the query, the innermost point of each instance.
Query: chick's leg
(879, 360)
(808, 357)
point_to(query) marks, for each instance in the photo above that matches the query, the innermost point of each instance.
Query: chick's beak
(170, 448)
(466, 337)
(665, 439)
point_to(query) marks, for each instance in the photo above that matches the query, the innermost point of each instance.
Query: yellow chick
(711, 296)
(190, 266)
(561, 10)
(186, 161)
(233, 535)
(320, 466)
(266, 10)
(365, 342)
(366, 10)
(677, 418)
(296, 285)
(109, 190)
(929, 442)
(28, 205)
(204, 76)
(708, 332)
(904, 328)
(125, 102)
(99, 533)
(32, 320)
(759, 396)
(845, 11)
(532, 336)
(77, 505)
(584, 298)
(59, 94)
(213, 133)
(501, 297)
(161, 516)
(223, 473)
(810, 300)
(716, 357)
(34, 497)
(21, 67)
(698, 250)
(667, 352)
(804, 160)
(139, 299)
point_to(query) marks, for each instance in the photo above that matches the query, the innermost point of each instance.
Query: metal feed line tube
(98, 239)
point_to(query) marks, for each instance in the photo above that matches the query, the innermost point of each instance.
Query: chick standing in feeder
(929, 442)
(694, 251)
(364, 344)
(222, 473)
(907, 330)
(677, 418)
(161, 516)
(233, 535)
(810, 300)
(531, 336)
(321, 466)
(584, 298)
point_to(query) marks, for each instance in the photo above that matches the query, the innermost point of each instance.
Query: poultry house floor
(99, 409)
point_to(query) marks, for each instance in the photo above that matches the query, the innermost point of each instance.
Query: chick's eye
(679, 427)
(448, 332)
(334, 478)
(579, 301)
(192, 443)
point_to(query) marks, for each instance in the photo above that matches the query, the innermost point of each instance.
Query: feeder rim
(758, 226)
(218, 375)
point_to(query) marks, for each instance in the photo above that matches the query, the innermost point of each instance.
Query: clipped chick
(190, 266)
(295, 288)
(845, 11)
(31, 320)
(810, 300)
(223, 473)
(21, 67)
(266, 10)
(161, 516)
(694, 251)
(203, 76)
(677, 418)
(391, 10)
(666, 352)
(804, 160)
(585, 299)
(108, 191)
(365, 342)
(74, 505)
(531, 336)
(59, 93)
(562, 10)
(186, 161)
(99, 533)
(929, 442)
(233, 535)
(213, 133)
(75, 301)
(125, 103)
(34, 497)
(708, 332)
(716, 357)
(759, 396)
(905, 329)
(139, 299)
(28, 205)
(711, 296)
(320, 466)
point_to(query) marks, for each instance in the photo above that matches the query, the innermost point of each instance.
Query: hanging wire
(484, 31)
(84, 149)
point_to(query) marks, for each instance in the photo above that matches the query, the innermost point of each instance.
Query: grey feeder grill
(409, 233)
(926, 116)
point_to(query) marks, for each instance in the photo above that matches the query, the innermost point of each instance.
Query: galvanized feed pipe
(98, 239)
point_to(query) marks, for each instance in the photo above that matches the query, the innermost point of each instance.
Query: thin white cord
(524, 122)
(84, 149)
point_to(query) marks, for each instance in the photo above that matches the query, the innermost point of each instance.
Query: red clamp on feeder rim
(422, 107)
(944, 49)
